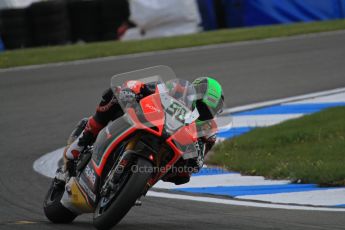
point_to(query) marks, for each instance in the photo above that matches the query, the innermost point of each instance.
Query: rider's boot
(71, 152)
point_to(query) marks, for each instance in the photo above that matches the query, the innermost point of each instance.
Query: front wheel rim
(108, 199)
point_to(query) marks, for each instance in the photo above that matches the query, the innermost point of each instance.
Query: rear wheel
(111, 209)
(53, 209)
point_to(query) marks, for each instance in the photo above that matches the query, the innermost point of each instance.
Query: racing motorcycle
(131, 154)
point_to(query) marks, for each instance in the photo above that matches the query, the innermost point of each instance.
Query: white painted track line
(262, 120)
(284, 100)
(222, 180)
(340, 97)
(47, 164)
(320, 198)
(239, 203)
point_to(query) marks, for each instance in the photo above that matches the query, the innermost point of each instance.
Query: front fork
(119, 168)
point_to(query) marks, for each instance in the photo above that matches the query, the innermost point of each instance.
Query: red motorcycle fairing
(154, 123)
(179, 143)
(153, 113)
(111, 138)
(108, 140)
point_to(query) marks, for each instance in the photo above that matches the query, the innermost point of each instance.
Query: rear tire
(130, 192)
(53, 209)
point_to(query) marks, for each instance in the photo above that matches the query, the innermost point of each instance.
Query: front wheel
(131, 190)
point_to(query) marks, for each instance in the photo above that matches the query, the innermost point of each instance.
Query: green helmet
(210, 99)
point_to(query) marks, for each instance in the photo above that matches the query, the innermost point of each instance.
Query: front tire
(53, 209)
(125, 200)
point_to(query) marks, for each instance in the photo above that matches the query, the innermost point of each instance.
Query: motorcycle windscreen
(135, 81)
(150, 76)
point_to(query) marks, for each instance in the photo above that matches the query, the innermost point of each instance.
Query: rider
(209, 103)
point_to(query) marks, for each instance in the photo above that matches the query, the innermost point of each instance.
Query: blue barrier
(2, 46)
(342, 8)
(267, 12)
(208, 14)
(234, 11)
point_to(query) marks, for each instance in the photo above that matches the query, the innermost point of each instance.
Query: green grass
(310, 149)
(103, 49)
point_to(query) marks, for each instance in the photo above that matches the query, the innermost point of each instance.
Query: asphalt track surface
(39, 107)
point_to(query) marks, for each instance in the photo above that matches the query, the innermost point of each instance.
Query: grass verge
(103, 49)
(310, 149)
